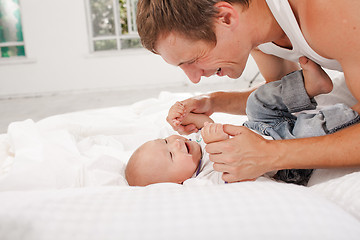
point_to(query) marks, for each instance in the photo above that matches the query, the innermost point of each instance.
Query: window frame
(118, 36)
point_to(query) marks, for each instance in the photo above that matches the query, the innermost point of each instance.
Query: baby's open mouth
(187, 147)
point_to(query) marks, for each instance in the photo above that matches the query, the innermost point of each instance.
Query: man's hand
(244, 157)
(180, 111)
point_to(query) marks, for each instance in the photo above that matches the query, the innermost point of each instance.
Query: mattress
(63, 178)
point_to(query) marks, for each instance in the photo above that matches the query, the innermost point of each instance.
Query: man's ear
(227, 14)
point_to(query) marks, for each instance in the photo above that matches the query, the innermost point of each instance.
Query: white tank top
(284, 15)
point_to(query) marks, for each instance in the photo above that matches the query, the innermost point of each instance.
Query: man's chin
(235, 75)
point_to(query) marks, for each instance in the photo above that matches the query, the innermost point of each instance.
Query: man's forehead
(175, 49)
(171, 37)
(166, 43)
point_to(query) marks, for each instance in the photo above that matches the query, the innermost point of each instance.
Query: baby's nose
(177, 143)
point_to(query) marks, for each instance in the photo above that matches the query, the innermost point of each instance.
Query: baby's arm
(177, 112)
(213, 132)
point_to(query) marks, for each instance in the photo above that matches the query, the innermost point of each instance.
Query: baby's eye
(165, 141)
(191, 62)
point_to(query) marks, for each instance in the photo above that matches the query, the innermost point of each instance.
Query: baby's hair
(132, 170)
(137, 172)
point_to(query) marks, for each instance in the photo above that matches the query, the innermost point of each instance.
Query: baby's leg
(316, 80)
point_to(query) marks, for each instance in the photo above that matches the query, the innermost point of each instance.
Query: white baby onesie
(205, 169)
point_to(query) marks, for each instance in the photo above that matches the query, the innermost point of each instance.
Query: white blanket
(66, 158)
(89, 148)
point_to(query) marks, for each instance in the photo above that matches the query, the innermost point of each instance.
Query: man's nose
(193, 73)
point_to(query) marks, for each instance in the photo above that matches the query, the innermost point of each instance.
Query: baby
(176, 158)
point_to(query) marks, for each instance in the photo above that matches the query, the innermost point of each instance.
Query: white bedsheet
(62, 178)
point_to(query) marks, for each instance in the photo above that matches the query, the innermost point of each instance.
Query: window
(112, 25)
(11, 37)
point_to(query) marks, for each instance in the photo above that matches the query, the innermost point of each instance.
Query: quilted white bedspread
(62, 178)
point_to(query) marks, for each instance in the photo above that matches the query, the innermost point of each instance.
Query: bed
(63, 178)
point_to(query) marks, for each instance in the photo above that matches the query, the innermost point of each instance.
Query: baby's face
(172, 159)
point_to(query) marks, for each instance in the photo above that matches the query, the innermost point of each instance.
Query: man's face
(200, 58)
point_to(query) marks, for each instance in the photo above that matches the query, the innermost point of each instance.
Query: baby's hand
(177, 113)
(213, 132)
(180, 117)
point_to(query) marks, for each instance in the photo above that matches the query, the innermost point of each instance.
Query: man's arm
(230, 102)
(340, 149)
(273, 68)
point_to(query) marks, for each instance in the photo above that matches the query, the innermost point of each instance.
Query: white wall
(58, 57)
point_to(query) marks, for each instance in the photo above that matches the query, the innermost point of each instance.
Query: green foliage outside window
(11, 36)
(123, 17)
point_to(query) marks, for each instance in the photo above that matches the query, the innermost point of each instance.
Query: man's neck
(266, 27)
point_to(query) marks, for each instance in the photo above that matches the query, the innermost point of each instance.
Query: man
(206, 37)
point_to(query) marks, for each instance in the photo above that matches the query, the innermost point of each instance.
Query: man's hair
(193, 19)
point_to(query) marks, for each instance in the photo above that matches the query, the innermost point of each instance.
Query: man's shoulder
(328, 24)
